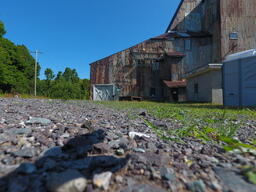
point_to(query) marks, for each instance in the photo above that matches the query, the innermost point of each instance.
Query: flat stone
(142, 188)
(26, 153)
(139, 150)
(20, 131)
(233, 182)
(102, 180)
(68, 181)
(27, 168)
(53, 152)
(38, 120)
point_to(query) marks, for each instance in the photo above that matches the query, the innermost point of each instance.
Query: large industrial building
(184, 63)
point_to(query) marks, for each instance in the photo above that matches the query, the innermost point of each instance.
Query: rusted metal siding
(185, 8)
(238, 16)
(135, 70)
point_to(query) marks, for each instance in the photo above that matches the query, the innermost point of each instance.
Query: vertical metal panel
(248, 81)
(231, 83)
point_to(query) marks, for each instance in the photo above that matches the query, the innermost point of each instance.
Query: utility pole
(36, 59)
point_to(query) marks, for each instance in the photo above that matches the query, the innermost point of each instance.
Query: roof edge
(174, 16)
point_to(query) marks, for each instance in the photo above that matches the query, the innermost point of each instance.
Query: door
(103, 92)
(231, 83)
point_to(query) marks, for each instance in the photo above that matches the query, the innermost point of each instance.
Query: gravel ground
(76, 146)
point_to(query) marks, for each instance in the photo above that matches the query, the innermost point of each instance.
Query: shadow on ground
(61, 165)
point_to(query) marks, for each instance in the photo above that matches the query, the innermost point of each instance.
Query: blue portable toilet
(239, 79)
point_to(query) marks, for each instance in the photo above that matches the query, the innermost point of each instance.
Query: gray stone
(27, 168)
(151, 147)
(120, 152)
(68, 181)
(139, 150)
(8, 160)
(142, 188)
(233, 182)
(196, 186)
(102, 180)
(53, 152)
(38, 120)
(3, 139)
(26, 153)
(119, 179)
(167, 174)
(20, 131)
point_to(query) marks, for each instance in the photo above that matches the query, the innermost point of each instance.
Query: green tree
(2, 29)
(16, 66)
(49, 75)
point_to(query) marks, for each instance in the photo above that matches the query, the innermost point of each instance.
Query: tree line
(17, 74)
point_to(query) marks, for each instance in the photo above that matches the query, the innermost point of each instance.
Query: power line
(36, 52)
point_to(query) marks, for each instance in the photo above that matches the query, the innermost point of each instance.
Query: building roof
(175, 84)
(177, 34)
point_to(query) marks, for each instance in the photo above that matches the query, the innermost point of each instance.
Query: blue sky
(74, 33)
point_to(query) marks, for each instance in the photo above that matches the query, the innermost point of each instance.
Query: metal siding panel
(248, 78)
(231, 83)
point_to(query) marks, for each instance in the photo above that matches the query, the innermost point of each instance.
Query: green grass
(23, 96)
(204, 121)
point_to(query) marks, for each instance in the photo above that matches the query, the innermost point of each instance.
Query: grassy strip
(204, 121)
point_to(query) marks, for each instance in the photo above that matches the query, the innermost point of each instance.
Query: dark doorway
(175, 94)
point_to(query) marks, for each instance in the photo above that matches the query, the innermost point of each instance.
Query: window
(196, 88)
(233, 36)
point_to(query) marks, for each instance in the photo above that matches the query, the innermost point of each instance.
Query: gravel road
(79, 146)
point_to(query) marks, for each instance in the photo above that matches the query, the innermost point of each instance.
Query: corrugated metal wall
(238, 16)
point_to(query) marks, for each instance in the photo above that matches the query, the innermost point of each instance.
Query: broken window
(155, 66)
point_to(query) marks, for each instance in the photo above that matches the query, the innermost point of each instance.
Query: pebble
(120, 152)
(68, 181)
(102, 180)
(167, 174)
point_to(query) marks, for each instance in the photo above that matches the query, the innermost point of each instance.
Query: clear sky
(75, 33)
